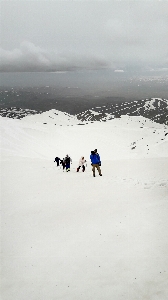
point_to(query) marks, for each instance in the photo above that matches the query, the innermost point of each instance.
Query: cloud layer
(29, 57)
(58, 36)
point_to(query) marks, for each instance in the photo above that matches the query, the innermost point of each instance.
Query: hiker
(95, 162)
(62, 162)
(82, 162)
(57, 160)
(68, 160)
(95, 151)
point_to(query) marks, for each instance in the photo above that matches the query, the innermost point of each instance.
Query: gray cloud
(61, 35)
(29, 57)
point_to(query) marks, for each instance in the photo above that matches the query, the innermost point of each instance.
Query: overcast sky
(67, 35)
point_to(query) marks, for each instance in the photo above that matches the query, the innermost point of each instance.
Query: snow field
(72, 236)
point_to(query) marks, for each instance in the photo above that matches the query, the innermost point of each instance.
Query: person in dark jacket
(95, 162)
(68, 160)
(57, 160)
(62, 162)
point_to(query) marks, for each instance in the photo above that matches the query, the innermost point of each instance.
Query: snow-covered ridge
(155, 109)
(17, 113)
(53, 117)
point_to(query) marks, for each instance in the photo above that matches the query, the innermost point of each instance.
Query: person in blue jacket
(95, 162)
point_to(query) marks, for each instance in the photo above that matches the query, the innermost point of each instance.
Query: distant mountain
(17, 112)
(155, 109)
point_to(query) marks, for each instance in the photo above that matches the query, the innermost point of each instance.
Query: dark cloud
(61, 35)
(32, 58)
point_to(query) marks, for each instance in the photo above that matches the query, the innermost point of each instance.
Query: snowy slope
(76, 237)
(38, 136)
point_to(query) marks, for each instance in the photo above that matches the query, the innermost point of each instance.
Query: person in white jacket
(82, 162)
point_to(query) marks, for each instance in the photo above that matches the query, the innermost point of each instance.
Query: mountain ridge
(155, 109)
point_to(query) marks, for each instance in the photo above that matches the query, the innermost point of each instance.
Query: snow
(149, 104)
(95, 113)
(76, 237)
(53, 116)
